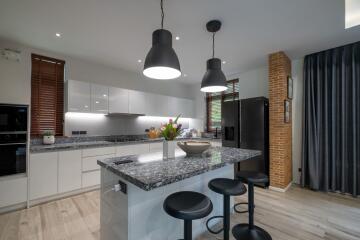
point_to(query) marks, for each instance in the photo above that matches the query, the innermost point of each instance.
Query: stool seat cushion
(188, 205)
(250, 176)
(227, 186)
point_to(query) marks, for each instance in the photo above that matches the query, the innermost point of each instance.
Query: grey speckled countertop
(150, 171)
(38, 148)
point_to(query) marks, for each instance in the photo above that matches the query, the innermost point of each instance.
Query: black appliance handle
(18, 143)
(13, 132)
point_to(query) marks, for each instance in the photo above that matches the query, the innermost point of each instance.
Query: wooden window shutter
(47, 95)
(213, 104)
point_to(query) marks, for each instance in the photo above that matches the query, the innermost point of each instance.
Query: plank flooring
(298, 214)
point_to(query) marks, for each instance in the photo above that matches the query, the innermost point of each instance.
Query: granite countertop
(38, 148)
(150, 171)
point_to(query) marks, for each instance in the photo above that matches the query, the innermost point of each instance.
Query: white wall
(16, 77)
(252, 83)
(297, 115)
(15, 80)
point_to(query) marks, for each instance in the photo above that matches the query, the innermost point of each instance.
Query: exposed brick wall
(280, 132)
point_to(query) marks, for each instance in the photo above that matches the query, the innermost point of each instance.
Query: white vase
(169, 149)
(48, 140)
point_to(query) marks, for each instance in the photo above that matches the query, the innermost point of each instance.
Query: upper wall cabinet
(139, 102)
(118, 100)
(86, 97)
(78, 96)
(99, 99)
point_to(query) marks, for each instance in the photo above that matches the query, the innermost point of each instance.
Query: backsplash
(102, 125)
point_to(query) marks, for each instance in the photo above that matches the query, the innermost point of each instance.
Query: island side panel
(144, 217)
(113, 209)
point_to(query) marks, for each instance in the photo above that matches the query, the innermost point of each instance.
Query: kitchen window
(213, 104)
(47, 95)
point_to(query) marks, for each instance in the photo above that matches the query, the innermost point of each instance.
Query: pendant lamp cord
(213, 45)
(162, 14)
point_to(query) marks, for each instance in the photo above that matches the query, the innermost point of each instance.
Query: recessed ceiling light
(177, 38)
(58, 35)
(139, 61)
(105, 95)
(185, 75)
(224, 62)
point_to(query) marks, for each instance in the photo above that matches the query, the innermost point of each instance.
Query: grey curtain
(331, 132)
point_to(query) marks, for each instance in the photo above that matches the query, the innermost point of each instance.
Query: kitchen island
(133, 210)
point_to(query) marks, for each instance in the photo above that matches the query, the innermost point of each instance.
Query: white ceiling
(118, 32)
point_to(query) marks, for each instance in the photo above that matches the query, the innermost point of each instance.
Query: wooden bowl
(194, 147)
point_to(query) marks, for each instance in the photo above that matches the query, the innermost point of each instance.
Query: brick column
(280, 132)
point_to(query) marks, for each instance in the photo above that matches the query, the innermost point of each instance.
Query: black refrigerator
(245, 124)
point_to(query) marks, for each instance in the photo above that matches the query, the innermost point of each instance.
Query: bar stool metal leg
(226, 217)
(187, 230)
(251, 204)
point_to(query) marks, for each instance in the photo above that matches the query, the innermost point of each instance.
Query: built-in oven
(13, 118)
(13, 139)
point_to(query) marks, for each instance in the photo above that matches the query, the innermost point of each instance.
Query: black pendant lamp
(162, 62)
(214, 79)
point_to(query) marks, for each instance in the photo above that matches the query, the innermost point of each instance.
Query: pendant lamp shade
(162, 62)
(214, 79)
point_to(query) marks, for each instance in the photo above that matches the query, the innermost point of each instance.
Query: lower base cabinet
(69, 171)
(90, 179)
(43, 172)
(15, 189)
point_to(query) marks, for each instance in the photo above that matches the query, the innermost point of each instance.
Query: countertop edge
(76, 146)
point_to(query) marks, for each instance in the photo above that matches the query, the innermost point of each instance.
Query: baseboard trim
(281, 189)
(62, 195)
(12, 208)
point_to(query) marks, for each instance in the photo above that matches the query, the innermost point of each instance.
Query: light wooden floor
(295, 215)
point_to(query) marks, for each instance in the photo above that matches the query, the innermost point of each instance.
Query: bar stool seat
(226, 186)
(254, 177)
(188, 206)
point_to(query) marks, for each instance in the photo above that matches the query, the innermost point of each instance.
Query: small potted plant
(169, 132)
(48, 137)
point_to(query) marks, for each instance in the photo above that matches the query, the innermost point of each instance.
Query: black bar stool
(227, 187)
(250, 231)
(188, 206)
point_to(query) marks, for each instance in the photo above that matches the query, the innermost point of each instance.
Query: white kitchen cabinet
(99, 99)
(132, 149)
(139, 102)
(69, 171)
(78, 96)
(90, 163)
(43, 174)
(90, 179)
(98, 151)
(13, 191)
(182, 106)
(118, 100)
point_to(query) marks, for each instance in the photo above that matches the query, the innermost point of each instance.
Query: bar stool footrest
(238, 204)
(243, 231)
(209, 229)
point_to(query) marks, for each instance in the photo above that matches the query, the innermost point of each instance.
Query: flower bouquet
(169, 132)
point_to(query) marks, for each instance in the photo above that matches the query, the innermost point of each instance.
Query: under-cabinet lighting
(161, 119)
(79, 115)
(352, 13)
